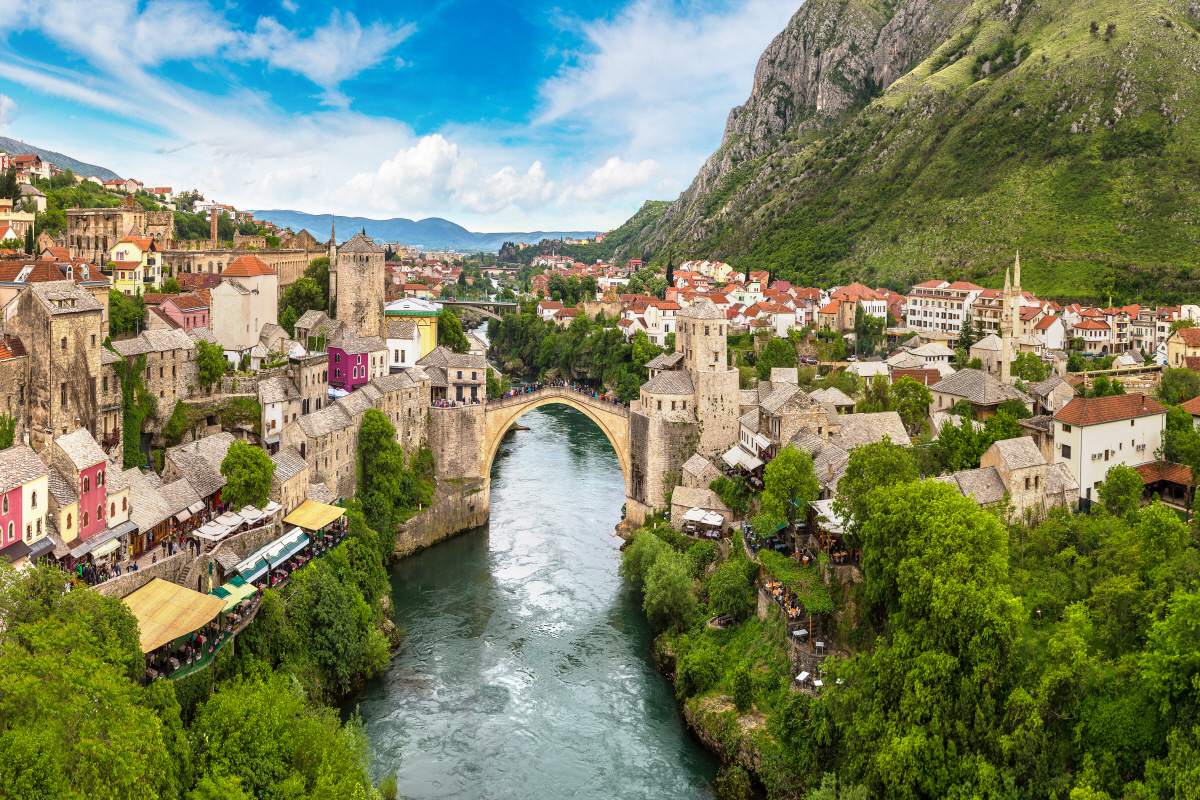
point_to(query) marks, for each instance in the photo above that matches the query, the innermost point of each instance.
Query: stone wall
(659, 443)
(717, 407)
(458, 440)
(455, 509)
(172, 568)
(610, 309)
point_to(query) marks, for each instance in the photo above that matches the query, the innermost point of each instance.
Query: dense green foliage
(388, 492)
(960, 446)
(789, 484)
(8, 431)
(211, 364)
(137, 403)
(77, 725)
(450, 332)
(588, 352)
(126, 313)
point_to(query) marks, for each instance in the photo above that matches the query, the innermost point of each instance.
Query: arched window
(83, 521)
(5, 504)
(68, 522)
(112, 510)
(124, 503)
(100, 512)
(10, 532)
(33, 500)
(100, 478)
(87, 484)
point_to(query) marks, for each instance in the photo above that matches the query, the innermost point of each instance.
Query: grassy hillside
(1068, 130)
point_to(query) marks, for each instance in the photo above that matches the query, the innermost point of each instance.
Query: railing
(586, 397)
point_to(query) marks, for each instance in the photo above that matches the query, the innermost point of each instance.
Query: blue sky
(497, 115)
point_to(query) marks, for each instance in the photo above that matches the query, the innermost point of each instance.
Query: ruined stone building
(92, 232)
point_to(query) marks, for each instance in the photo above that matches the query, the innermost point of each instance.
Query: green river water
(526, 672)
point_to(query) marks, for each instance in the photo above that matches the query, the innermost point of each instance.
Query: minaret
(332, 240)
(1006, 329)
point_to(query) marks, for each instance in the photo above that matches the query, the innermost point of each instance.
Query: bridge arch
(613, 420)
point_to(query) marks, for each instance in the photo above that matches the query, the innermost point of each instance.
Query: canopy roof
(737, 455)
(313, 516)
(166, 611)
(694, 515)
(234, 592)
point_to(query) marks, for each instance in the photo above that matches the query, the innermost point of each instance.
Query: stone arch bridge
(612, 418)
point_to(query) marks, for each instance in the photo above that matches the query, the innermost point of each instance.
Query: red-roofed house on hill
(1094, 334)
(1093, 434)
(1183, 343)
(243, 302)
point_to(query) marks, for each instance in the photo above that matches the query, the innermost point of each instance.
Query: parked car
(808, 361)
(852, 358)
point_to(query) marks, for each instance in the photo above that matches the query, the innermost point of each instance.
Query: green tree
(1178, 386)
(789, 485)
(967, 336)
(450, 332)
(1015, 408)
(1170, 664)
(912, 401)
(218, 787)
(8, 431)
(638, 557)
(1029, 367)
(779, 353)
(318, 272)
(742, 688)
(126, 313)
(210, 363)
(730, 591)
(1180, 324)
(171, 286)
(302, 296)
(248, 471)
(287, 321)
(669, 601)
(1121, 490)
(870, 467)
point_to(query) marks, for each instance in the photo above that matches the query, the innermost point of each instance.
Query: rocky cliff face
(832, 58)
(896, 141)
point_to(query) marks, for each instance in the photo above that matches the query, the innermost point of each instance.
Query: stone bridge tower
(358, 285)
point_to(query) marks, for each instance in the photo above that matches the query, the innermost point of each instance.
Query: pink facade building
(186, 310)
(23, 501)
(81, 463)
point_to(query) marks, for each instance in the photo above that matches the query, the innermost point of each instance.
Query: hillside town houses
(71, 389)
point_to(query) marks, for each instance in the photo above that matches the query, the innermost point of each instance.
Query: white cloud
(289, 5)
(615, 177)
(8, 108)
(330, 54)
(637, 108)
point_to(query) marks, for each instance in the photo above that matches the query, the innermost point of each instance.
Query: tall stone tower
(701, 337)
(213, 214)
(359, 284)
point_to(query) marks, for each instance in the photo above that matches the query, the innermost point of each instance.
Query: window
(39, 526)
(33, 500)
(62, 390)
(460, 374)
(83, 521)
(473, 376)
(100, 512)
(112, 510)
(1027, 484)
(672, 405)
(1066, 451)
(660, 405)
(1066, 428)
(1131, 423)
(337, 358)
(68, 522)
(5, 504)
(64, 343)
(402, 356)
(10, 533)
(1035, 481)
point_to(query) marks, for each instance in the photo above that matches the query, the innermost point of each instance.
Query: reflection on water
(526, 670)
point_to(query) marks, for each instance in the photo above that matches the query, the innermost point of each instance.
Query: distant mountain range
(15, 147)
(433, 233)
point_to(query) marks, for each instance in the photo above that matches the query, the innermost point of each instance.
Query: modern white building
(940, 305)
(1093, 434)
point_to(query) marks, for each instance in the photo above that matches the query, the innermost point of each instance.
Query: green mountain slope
(1068, 130)
(15, 147)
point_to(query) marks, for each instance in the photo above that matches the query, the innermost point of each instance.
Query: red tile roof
(1165, 471)
(247, 267)
(11, 347)
(1097, 410)
(187, 302)
(1189, 336)
(1029, 312)
(162, 316)
(1192, 363)
(1091, 325)
(1045, 322)
(1192, 406)
(197, 280)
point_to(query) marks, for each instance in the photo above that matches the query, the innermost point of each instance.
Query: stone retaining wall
(453, 511)
(172, 568)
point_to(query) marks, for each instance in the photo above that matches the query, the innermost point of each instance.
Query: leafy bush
(742, 688)
(697, 668)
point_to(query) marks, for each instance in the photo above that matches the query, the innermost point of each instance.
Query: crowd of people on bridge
(537, 386)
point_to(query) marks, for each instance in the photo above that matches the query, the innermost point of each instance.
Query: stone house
(457, 377)
(685, 498)
(172, 371)
(14, 377)
(982, 391)
(1051, 395)
(111, 399)
(327, 440)
(699, 472)
(1181, 345)
(91, 232)
(200, 463)
(289, 484)
(1016, 468)
(61, 326)
(243, 302)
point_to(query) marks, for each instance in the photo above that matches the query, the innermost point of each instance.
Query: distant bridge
(489, 308)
